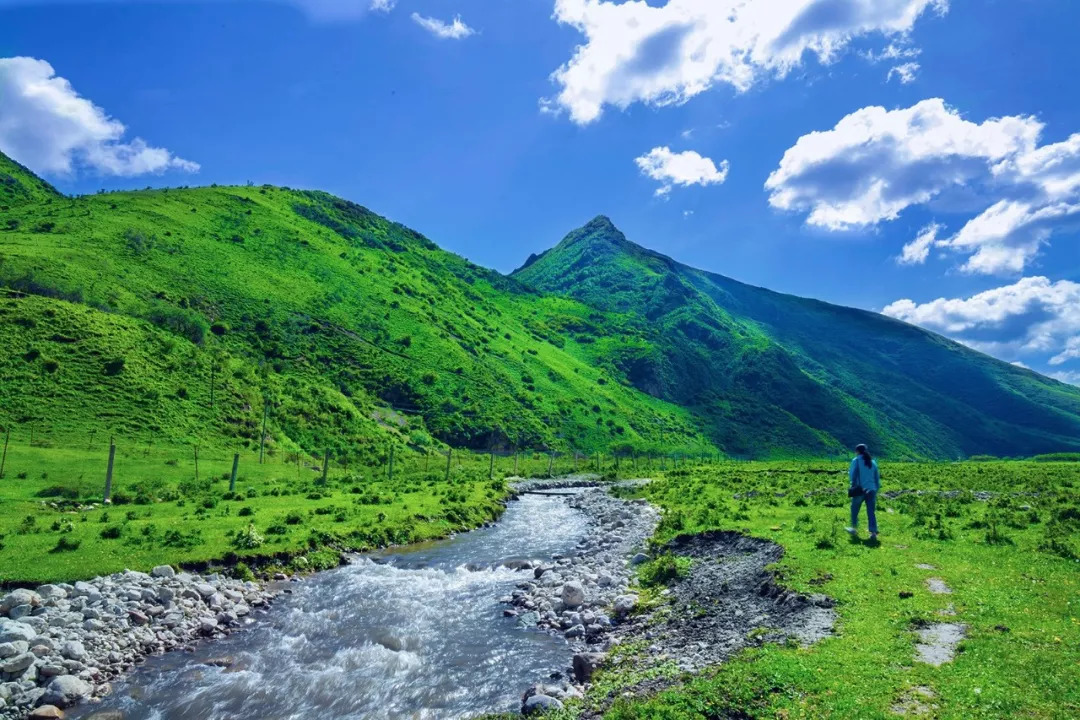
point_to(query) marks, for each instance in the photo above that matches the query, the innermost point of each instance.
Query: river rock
(538, 704)
(624, 605)
(73, 650)
(66, 690)
(163, 571)
(18, 663)
(573, 594)
(46, 712)
(18, 597)
(585, 665)
(11, 631)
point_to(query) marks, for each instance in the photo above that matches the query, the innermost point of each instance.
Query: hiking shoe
(851, 530)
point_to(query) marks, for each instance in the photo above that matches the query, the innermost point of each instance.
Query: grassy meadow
(281, 515)
(1011, 562)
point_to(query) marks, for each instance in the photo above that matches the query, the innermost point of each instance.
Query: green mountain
(177, 315)
(766, 371)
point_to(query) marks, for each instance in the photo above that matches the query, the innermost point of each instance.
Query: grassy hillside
(177, 315)
(773, 372)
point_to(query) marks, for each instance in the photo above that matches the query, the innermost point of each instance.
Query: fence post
(196, 463)
(232, 478)
(3, 460)
(262, 436)
(325, 465)
(108, 472)
(449, 454)
(391, 469)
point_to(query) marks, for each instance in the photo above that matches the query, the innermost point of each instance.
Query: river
(417, 633)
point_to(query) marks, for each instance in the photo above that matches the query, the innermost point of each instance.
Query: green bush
(664, 570)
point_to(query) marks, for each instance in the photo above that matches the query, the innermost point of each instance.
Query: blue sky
(802, 145)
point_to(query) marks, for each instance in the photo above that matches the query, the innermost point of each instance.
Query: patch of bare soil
(727, 601)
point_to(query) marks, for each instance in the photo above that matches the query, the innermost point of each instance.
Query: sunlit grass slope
(777, 374)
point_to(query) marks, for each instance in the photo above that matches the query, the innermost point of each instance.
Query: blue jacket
(868, 478)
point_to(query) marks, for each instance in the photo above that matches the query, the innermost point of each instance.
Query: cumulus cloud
(50, 128)
(1033, 316)
(876, 163)
(639, 52)
(905, 72)
(455, 30)
(384, 6)
(916, 251)
(683, 169)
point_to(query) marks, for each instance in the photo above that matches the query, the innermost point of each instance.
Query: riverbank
(989, 547)
(63, 643)
(619, 595)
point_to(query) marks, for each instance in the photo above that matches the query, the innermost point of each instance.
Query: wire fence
(114, 468)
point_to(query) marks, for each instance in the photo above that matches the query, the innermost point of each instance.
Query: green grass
(177, 315)
(1013, 571)
(54, 528)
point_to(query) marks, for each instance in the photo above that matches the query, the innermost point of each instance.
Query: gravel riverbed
(61, 644)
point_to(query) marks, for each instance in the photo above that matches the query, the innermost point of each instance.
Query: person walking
(865, 483)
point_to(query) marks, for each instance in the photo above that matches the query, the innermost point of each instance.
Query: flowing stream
(412, 634)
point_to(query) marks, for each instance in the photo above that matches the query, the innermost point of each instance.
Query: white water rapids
(416, 634)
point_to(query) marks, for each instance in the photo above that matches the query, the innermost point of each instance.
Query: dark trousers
(871, 506)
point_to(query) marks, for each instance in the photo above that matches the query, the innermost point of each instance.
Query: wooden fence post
(262, 436)
(108, 472)
(232, 478)
(3, 459)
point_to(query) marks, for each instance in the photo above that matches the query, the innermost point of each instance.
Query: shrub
(294, 518)
(245, 512)
(65, 544)
(115, 366)
(181, 321)
(112, 532)
(241, 571)
(664, 570)
(248, 539)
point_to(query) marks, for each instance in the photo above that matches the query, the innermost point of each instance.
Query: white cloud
(383, 6)
(1069, 376)
(876, 163)
(683, 169)
(1071, 351)
(916, 251)
(47, 126)
(663, 55)
(1033, 316)
(905, 72)
(455, 30)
